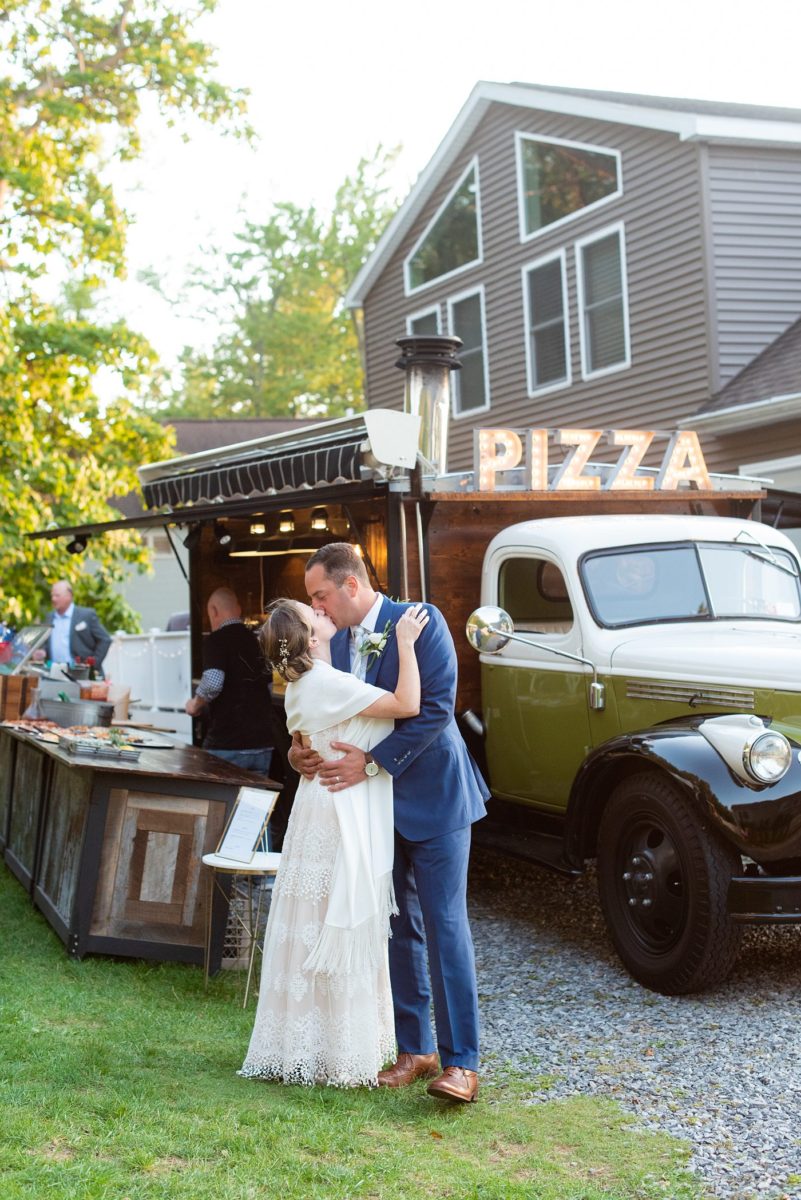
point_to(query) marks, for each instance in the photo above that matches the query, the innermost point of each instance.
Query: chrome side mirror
(489, 629)
(486, 629)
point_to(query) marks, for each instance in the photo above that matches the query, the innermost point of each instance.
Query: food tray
(98, 749)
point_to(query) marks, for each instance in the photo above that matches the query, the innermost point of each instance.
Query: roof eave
(748, 416)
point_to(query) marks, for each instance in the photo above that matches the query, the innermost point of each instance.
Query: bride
(325, 1008)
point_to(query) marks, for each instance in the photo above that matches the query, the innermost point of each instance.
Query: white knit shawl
(356, 927)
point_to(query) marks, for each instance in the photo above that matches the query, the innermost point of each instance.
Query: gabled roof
(194, 434)
(767, 390)
(689, 120)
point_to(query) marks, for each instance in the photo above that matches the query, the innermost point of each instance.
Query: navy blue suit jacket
(437, 785)
(90, 640)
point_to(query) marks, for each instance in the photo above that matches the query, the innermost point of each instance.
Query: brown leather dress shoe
(455, 1083)
(408, 1068)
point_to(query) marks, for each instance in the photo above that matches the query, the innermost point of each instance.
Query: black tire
(653, 847)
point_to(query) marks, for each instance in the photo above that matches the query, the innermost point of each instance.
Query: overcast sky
(329, 82)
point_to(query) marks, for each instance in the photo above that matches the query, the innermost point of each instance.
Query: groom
(438, 793)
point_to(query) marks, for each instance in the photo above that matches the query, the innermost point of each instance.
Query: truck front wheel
(663, 880)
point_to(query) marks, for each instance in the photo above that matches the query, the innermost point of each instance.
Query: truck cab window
(534, 593)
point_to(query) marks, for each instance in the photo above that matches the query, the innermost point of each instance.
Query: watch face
(371, 768)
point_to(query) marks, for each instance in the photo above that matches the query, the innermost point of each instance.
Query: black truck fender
(762, 822)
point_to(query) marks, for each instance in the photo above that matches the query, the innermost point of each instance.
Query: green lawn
(118, 1080)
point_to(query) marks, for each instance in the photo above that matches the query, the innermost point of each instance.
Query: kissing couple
(357, 904)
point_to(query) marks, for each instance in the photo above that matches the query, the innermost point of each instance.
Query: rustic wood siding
(755, 229)
(661, 211)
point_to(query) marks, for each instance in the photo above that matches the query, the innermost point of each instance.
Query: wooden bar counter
(110, 850)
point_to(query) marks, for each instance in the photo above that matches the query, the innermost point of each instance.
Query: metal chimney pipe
(428, 361)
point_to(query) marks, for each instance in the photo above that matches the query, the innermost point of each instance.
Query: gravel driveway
(721, 1070)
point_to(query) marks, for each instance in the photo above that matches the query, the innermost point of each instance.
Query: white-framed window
(425, 322)
(559, 180)
(471, 392)
(547, 327)
(603, 302)
(451, 242)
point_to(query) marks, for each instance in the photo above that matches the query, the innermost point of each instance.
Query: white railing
(155, 666)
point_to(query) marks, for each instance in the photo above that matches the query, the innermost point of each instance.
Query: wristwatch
(371, 767)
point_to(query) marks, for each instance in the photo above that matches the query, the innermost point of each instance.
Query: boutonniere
(374, 644)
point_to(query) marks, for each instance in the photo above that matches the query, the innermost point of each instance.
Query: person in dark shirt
(234, 688)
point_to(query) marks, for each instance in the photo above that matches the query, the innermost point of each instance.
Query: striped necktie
(358, 661)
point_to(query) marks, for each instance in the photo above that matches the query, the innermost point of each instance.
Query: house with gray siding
(609, 260)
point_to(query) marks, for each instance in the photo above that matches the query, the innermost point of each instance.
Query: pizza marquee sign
(497, 451)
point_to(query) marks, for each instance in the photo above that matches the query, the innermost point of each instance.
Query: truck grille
(688, 693)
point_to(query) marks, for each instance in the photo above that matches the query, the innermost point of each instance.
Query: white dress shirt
(60, 636)
(358, 662)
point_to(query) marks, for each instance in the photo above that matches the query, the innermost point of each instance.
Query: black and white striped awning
(262, 475)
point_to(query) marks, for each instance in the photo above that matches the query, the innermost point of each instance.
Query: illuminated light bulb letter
(622, 477)
(569, 476)
(683, 463)
(495, 450)
(538, 460)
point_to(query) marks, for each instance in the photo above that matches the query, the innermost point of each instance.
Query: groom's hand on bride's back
(302, 759)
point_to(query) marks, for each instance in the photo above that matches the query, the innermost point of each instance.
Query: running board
(528, 844)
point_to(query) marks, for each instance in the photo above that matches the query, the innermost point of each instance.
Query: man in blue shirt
(76, 631)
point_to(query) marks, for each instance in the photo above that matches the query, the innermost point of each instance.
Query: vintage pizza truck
(641, 706)
(630, 678)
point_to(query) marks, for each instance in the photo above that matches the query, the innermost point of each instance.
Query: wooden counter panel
(23, 828)
(149, 883)
(62, 845)
(7, 748)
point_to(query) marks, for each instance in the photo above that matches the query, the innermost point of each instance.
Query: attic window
(452, 240)
(558, 180)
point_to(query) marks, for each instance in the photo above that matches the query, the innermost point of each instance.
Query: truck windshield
(637, 585)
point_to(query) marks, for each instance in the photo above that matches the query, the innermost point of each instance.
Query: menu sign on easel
(246, 824)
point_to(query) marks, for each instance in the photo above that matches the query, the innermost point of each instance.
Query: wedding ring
(336, 779)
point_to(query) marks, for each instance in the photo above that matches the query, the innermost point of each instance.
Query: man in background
(76, 631)
(234, 689)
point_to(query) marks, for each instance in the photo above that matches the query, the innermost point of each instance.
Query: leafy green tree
(290, 347)
(73, 77)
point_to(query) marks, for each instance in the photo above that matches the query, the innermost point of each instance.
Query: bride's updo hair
(284, 638)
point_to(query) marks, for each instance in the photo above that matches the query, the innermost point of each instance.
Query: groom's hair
(339, 560)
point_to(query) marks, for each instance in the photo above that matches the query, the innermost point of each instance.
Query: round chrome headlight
(768, 757)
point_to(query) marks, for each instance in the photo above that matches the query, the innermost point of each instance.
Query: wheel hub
(639, 881)
(652, 886)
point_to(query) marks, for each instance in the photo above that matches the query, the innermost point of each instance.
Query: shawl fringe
(340, 951)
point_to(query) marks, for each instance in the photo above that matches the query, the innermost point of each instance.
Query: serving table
(110, 850)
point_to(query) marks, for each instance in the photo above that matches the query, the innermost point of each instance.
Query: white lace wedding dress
(312, 1027)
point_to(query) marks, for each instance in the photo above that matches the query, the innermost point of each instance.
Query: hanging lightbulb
(286, 522)
(319, 520)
